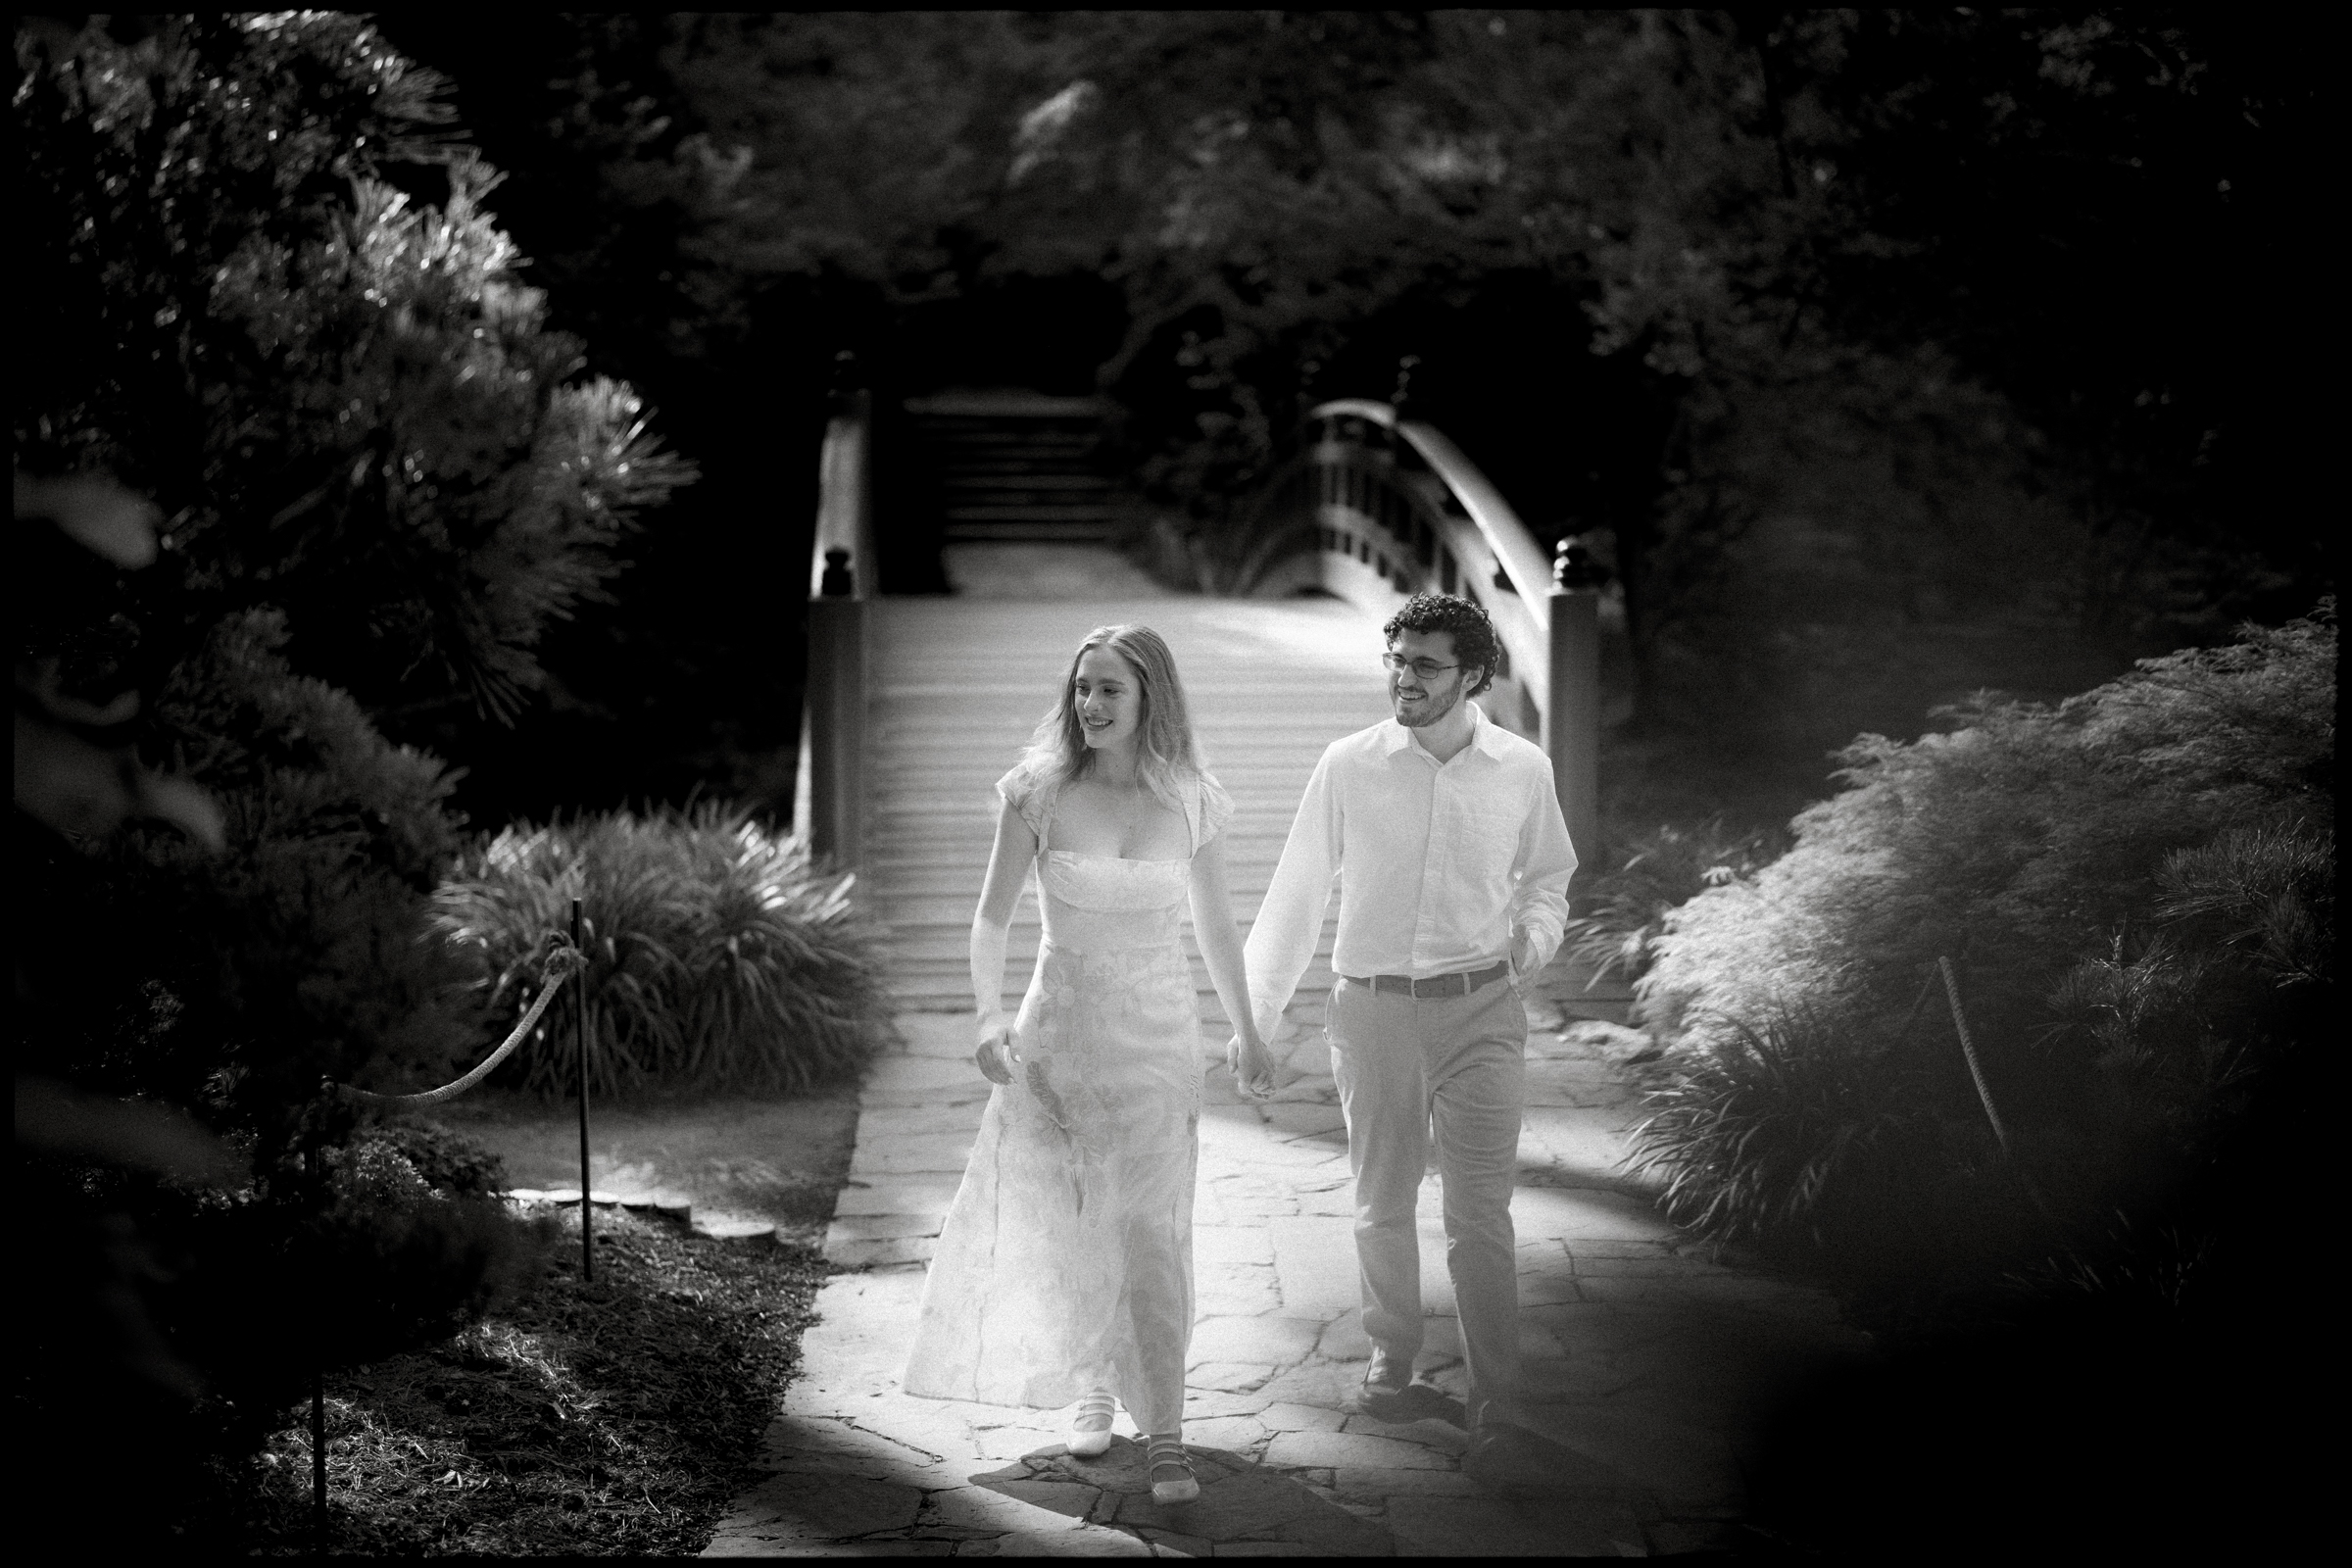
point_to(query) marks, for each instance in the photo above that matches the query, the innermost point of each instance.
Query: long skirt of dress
(1066, 1260)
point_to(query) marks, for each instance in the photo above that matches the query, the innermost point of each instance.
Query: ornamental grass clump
(2135, 888)
(718, 954)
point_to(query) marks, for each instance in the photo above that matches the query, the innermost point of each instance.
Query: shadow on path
(1239, 1502)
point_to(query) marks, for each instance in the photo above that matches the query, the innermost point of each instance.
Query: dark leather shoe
(1514, 1462)
(1390, 1394)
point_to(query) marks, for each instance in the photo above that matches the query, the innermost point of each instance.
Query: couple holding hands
(1064, 1269)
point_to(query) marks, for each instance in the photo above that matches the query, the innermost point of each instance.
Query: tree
(378, 486)
(1844, 315)
(345, 402)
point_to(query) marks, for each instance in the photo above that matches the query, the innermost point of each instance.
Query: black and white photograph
(1175, 783)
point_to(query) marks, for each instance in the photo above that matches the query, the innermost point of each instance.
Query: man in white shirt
(1452, 860)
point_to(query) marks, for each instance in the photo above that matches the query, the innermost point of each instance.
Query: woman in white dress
(1064, 1270)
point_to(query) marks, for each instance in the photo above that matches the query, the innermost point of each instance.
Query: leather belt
(1442, 984)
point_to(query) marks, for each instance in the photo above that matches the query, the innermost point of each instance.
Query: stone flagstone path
(1644, 1359)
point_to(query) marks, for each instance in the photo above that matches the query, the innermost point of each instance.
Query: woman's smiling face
(1109, 698)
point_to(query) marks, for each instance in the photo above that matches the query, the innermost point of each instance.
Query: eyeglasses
(1426, 669)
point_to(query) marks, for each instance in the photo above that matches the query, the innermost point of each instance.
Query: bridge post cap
(1572, 568)
(837, 581)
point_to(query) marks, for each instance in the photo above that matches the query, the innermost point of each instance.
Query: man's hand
(1252, 1065)
(1523, 956)
(996, 1058)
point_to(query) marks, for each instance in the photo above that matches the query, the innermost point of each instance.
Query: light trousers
(1453, 1070)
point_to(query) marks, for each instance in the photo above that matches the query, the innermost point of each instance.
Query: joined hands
(1252, 1066)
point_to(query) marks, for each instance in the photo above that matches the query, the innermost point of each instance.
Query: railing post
(1572, 729)
(830, 804)
(836, 703)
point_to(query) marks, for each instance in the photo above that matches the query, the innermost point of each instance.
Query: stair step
(1030, 512)
(1004, 405)
(1027, 533)
(985, 438)
(997, 483)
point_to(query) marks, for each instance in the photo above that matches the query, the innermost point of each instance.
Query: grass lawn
(610, 1418)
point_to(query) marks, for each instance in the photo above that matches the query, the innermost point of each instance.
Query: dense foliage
(1838, 321)
(359, 487)
(718, 954)
(342, 396)
(2135, 890)
(377, 488)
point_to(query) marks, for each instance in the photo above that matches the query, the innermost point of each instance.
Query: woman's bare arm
(1008, 862)
(1221, 950)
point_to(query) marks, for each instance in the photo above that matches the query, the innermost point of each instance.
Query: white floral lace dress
(1066, 1261)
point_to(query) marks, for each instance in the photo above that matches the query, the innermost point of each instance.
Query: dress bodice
(1102, 903)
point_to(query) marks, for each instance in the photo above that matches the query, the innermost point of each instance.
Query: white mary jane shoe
(1090, 1434)
(1168, 1454)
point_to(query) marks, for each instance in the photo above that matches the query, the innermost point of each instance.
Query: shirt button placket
(1434, 855)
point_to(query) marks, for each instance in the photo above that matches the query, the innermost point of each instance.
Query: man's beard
(1429, 711)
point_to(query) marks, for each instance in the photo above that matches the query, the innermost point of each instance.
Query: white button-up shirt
(1440, 865)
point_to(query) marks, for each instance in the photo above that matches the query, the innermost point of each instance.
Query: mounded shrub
(718, 954)
(2136, 888)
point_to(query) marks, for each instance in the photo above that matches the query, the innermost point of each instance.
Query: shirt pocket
(1489, 835)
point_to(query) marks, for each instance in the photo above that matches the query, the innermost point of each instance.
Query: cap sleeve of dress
(1030, 796)
(1211, 807)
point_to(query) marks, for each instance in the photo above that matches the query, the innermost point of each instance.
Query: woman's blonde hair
(1166, 756)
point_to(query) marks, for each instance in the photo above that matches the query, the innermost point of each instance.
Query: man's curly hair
(1474, 640)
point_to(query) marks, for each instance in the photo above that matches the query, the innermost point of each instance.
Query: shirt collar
(1485, 735)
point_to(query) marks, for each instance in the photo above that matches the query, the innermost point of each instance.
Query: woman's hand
(1252, 1064)
(996, 1058)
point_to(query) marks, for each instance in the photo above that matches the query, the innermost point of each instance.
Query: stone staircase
(958, 685)
(1010, 466)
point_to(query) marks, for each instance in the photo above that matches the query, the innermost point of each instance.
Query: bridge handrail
(1515, 548)
(1447, 519)
(1525, 630)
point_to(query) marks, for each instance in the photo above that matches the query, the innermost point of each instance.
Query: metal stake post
(309, 1166)
(319, 1452)
(579, 1036)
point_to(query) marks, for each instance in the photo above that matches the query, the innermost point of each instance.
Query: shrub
(2009, 839)
(304, 951)
(195, 1317)
(445, 1161)
(720, 956)
(2138, 887)
(1623, 909)
(1768, 1128)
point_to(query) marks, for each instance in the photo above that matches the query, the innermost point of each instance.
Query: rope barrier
(562, 963)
